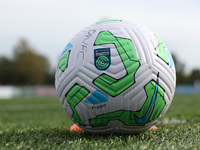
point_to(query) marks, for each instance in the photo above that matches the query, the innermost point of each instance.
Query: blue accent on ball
(97, 97)
(144, 119)
(171, 63)
(68, 46)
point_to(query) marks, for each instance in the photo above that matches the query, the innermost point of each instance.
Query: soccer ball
(115, 77)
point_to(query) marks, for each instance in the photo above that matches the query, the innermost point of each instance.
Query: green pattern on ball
(111, 20)
(63, 62)
(161, 50)
(127, 117)
(129, 58)
(75, 95)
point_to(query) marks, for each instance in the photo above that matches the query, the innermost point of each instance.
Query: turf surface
(41, 123)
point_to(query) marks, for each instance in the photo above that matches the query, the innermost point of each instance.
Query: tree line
(25, 68)
(29, 68)
(182, 77)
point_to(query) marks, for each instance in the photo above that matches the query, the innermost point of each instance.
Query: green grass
(41, 123)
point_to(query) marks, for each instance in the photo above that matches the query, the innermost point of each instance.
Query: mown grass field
(41, 123)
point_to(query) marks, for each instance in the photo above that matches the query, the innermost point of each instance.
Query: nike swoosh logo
(144, 119)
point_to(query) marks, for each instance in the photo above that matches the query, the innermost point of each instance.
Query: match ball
(115, 77)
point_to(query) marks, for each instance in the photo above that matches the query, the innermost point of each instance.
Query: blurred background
(34, 33)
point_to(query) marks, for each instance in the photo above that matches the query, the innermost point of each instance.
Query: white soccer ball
(115, 76)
